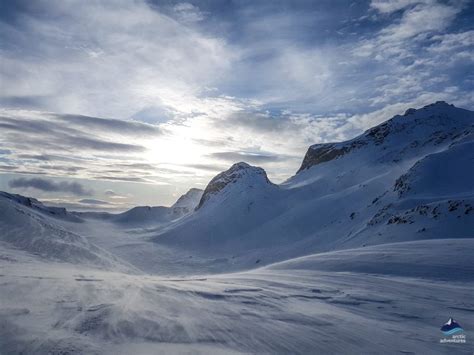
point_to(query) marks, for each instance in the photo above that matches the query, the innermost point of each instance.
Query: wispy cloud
(251, 157)
(60, 132)
(188, 13)
(51, 186)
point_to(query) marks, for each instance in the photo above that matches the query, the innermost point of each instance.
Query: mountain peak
(419, 126)
(440, 104)
(436, 105)
(237, 172)
(239, 166)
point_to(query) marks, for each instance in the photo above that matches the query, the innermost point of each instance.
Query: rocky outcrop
(321, 153)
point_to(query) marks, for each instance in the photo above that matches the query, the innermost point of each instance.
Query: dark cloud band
(51, 186)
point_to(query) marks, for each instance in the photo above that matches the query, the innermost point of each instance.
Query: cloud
(93, 134)
(26, 101)
(250, 157)
(85, 205)
(91, 201)
(389, 6)
(453, 42)
(49, 157)
(399, 38)
(7, 168)
(188, 13)
(115, 196)
(110, 193)
(110, 125)
(50, 186)
(73, 145)
(63, 168)
(420, 19)
(214, 168)
(83, 60)
(124, 178)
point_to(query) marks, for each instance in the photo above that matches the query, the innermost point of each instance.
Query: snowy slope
(344, 195)
(26, 225)
(344, 302)
(56, 212)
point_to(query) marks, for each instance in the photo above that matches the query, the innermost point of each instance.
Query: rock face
(321, 153)
(239, 172)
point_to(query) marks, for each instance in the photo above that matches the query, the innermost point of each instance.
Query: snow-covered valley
(368, 248)
(384, 299)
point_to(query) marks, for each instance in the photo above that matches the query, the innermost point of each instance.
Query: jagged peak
(238, 171)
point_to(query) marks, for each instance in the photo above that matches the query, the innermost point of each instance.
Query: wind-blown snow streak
(309, 305)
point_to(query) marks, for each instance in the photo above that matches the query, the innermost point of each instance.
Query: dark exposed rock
(401, 185)
(321, 153)
(398, 220)
(379, 132)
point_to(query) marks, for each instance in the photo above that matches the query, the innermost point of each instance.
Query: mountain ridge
(324, 152)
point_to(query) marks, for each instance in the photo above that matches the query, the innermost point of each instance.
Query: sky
(109, 104)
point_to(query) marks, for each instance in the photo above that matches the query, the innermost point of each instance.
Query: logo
(453, 332)
(451, 327)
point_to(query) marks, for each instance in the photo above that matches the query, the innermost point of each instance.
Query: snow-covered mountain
(408, 178)
(239, 179)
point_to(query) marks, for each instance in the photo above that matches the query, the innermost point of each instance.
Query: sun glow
(177, 149)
